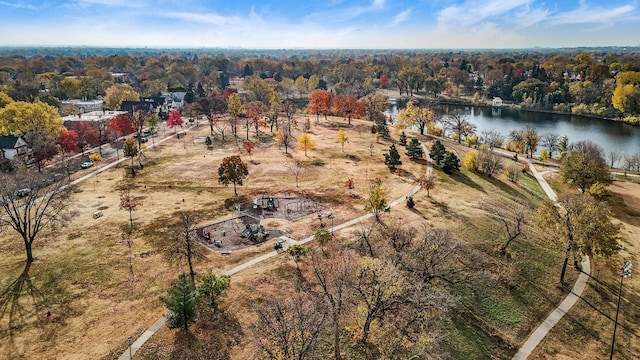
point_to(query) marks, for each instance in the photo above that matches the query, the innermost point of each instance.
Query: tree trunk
(366, 329)
(564, 265)
(27, 246)
(235, 191)
(336, 337)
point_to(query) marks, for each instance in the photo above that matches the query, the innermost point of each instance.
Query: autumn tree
(249, 146)
(414, 115)
(118, 93)
(181, 302)
(380, 288)
(28, 212)
(585, 165)
(392, 158)
(255, 114)
(88, 135)
(130, 150)
(342, 138)
(283, 136)
(427, 182)
(374, 105)
(320, 103)
(232, 170)
(347, 106)
(139, 121)
(236, 109)
(584, 223)
(305, 143)
(121, 125)
(38, 123)
(289, 329)
(174, 120)
(323, 237)
(530, 139)
(212, 288)
(493, 139)
(488, 161)
(296, 168)
(68, 141)
(376, 201)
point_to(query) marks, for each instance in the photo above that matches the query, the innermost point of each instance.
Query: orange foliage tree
(320, 103)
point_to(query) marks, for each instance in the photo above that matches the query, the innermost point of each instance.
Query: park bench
(97, 214)
(217, 243)
(225, 252)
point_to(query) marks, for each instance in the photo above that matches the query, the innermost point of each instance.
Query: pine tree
(437, 152)
(381, 127)
(181, 303)
(392, 159)
(403, 139)
(414, 149)
(450, 163)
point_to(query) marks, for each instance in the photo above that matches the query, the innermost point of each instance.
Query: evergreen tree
(392, 159)
(437, 152)
(403, 139)
(450, 162)
(181, 303)
(414, 149)
(381, 127)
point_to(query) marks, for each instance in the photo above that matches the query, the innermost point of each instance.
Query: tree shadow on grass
(19, 301)
(464, 179)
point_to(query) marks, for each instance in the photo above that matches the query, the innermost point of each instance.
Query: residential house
(14, 147)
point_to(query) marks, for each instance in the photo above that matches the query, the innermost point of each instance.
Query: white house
(13, 146)
(497, 102)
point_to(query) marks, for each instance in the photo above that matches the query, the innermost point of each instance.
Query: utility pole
(626, 272)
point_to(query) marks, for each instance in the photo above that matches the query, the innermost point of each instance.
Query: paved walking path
(137, 344)
(543, 329)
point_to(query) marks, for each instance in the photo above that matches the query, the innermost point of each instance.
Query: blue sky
(321, 24)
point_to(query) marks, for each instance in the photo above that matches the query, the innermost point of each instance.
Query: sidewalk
(543, 329)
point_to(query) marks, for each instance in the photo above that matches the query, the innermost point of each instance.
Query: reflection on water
(611, 135)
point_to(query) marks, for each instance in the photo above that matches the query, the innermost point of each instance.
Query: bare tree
(550, 141)
(457, 121)
(128, 202)
(432, 256)
(493, 138)
(185, 241)
(365, 234)
(614, 158)
(333, 277)
(220, 125)
(139, 120)
(489, 162)
(288, 329)
(513, 216)
(31, 203)
(296, 168)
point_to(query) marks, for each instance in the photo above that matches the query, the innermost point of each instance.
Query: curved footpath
(543, 329)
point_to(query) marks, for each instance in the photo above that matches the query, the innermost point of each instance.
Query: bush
(95, 157)
(470, 161)
(410, 202)
(513, 172)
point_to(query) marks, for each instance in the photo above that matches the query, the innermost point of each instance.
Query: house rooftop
(94, 116)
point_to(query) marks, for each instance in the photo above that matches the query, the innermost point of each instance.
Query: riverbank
(443, 99)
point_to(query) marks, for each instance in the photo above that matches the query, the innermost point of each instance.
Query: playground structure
(290, 208)
(254, 233)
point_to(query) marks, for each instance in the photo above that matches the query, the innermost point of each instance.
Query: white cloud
(18, 5)
(472, 12)
(115, 3)
(400, 17)
(206, 18)
(595, 15)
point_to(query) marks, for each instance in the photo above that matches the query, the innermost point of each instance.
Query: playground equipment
(266, 203)
(254, 233)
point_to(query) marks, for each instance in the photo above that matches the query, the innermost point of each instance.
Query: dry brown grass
(95, 303)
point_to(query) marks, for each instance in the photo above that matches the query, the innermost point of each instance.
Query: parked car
(86, 164)
(23, 192)
(143, 140)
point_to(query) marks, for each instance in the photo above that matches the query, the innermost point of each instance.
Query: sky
(310, 24)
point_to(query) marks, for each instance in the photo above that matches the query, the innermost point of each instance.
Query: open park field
(92, 286)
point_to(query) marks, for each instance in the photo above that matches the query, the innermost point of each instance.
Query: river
(610, 135)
